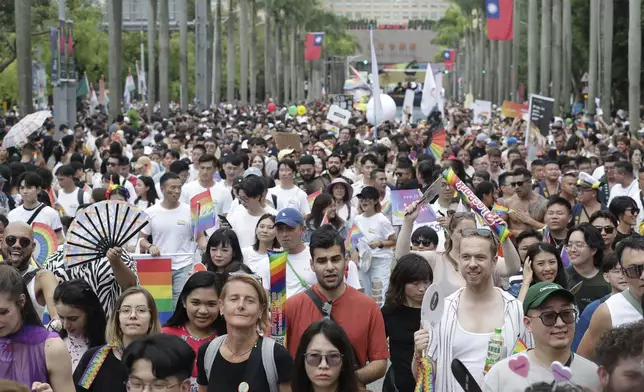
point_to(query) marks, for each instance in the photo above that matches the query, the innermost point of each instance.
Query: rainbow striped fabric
(202, 212)
(277, 300)
(353, 237)
(46, 240)
(500, 209)
(311, 198)
(155, 275)
(519, 346)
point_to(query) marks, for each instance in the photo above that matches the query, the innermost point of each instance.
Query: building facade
(389, 11)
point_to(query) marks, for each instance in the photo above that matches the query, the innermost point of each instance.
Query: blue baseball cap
(512, 140)
(290, 217)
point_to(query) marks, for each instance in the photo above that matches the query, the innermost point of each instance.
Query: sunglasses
(315, 359)
(607, 229)
(12, 239)
(633, 211)
(517, 184)
(422, 242)
(112, 164)
(549, 318)
(634, 271)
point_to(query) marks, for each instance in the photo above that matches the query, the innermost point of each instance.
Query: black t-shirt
(592, 289)
(227, 376)
(110, 378)
(620, 236)
(400, 324)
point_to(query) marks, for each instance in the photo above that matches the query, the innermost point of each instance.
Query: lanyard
(633, 301)
(299, 278)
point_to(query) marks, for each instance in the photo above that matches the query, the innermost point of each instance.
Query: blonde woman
(235, 362)
(100, 369)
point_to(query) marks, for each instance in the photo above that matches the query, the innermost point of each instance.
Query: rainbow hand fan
(46, 242)
(102, 226)
(438, 140)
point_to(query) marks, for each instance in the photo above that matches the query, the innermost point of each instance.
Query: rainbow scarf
(468, 197)
(425, 380)
(277, 299)
(95, 364)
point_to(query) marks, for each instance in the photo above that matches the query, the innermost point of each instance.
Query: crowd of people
(567, 285)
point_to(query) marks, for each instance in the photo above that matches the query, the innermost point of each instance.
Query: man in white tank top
(17, 247)
(622, 308)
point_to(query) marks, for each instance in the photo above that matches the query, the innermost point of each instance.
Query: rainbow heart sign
(402, 199)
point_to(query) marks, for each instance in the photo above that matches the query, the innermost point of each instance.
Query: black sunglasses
(12, 239)
(423, 242)
(607, 229)
(517, 184)
(549, 318)
(634, 271)
(315, 359)
(112, 164)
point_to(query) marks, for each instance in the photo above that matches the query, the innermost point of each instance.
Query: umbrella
(19, 133)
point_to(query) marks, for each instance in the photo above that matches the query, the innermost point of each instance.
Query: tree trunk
(23, 55)
(201, 53)
(516, 48)
(556, 56)
(243, 51)
(607, 57)
(164, 57)
(501, 73)
(566, 58)
(115, 60)
(285, 60)
(210, 48)
(183, 54)
(268, 91)
(533, 46)
(488, 70)
(230, 54)
(634, 63)
(152, 41)
(544, 85)
(292, 65)
(252, 60)
(278, 60)
(482, 63)
(217, 56)
(593, 79)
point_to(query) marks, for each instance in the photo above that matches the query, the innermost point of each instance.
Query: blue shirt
(584, 321)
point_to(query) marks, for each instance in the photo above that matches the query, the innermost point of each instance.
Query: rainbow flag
(565, 259)
(202, 212)
(46, 242)
(353, 237)
(519, 346)
(311, 198)
(155, 275)
(500, 209)
(386, 207)
(277, 294)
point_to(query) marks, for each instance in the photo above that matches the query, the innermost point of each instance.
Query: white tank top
(471, 349)
(621, 311)
(32, 293)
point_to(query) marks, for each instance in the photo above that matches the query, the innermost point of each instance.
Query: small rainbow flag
(386, 207)
(202, 212)
(46, 242)
(519, 346)
(311, 198)
(155, 275)
(277, 293)
(565, 259)
(353, 237)
(500, 209)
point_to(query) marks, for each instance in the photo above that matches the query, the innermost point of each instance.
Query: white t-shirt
(47, 216)
(244, 224)
(290, 198)
(69, 201)
(300, 263)
(259, 263)
(171, 231)
(376, 228)
(220, 195)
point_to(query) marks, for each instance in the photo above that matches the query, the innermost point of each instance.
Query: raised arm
(510, 264)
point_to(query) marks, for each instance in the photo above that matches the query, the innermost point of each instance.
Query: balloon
(301, 110)
(271, 107)
(388, 110)
(292, 110)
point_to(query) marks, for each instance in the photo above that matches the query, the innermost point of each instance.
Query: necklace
(241, 354)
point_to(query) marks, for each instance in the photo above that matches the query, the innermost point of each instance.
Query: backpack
(268, 359)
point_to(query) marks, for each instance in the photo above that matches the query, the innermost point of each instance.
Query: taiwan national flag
(499, 19)
(449, 57)
(313, 46)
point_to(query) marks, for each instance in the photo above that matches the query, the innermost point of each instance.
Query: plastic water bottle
(494, 350)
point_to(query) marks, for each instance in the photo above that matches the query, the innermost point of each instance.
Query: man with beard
(550, 316)
(620, 353)
(17, 248)
(334, 168)
(332, 298)
(527, 207)
(307, 180)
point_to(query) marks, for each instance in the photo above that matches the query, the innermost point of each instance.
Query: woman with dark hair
(256, 256)
(324, 360)
(323, 212)
(542, 264)
(197, 310)
(146, 192)
(342, 194)
(409, 280)
(221, 250)
(626, 211)
(585, 249)
(30, 353)
(81, 317)
(480, 176)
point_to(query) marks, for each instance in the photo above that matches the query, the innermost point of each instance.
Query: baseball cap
(538, 293)
(290, 217)
(512, 141)
(368, 192)
(307, 160)
(252, 171)
(284, 152)
(481, 137)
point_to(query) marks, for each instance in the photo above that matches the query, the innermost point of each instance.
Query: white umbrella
(19, 133)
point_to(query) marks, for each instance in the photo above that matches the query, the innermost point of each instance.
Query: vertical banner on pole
(53, 40)
(71, 65)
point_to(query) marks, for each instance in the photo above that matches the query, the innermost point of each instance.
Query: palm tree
(556, 55)
(607, 56)
(268, 52)
(152, 39)
(566, 58)
(533, 43)
(230, 54)
(164, 57)
(593, 56)
(217, 57)
(23, 54)
(183, 53)
(634, 63)
(544, 85)
(253, 52)
(115, 16)
(243, 51)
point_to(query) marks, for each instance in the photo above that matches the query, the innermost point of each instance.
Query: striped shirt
(441, 337)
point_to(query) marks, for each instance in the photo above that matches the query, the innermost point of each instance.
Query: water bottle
(494, 350)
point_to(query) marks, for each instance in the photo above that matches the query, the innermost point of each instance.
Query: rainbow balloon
(46, 242)
(468, 196)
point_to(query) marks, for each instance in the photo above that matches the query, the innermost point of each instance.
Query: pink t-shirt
(195, 343)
